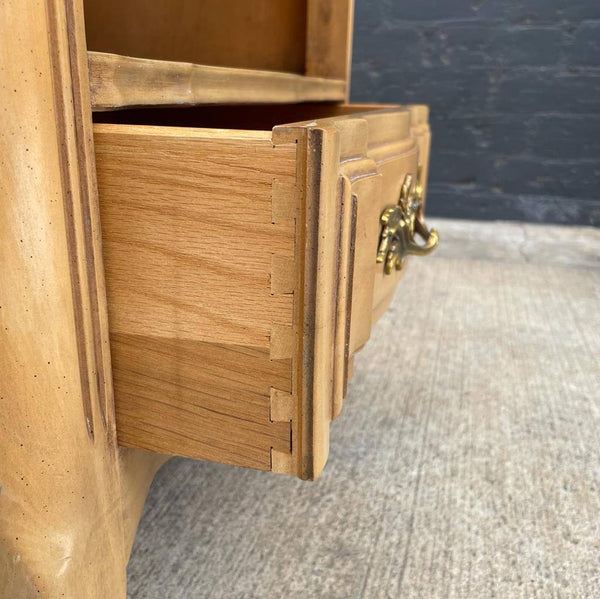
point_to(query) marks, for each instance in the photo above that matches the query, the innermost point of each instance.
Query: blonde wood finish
(137, 469)
(242, 277)
(61, 530)
(70, 500)
(188, 252)
(348, 212)
(120, 81)
(231, 255)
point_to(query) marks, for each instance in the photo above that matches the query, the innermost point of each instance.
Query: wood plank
(199, 400)
(189, 244)
(60, 518)
(372, 150)
(376, 150)
(120, 81)
(180, 209)
(288, 205)
(323, 185)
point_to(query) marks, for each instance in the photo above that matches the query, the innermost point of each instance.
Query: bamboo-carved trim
(120, 81)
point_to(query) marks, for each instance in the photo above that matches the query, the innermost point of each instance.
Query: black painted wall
(514, 92)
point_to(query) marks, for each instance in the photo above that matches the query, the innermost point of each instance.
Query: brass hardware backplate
(400, 224)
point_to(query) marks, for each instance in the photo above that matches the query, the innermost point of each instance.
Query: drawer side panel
(190, 244)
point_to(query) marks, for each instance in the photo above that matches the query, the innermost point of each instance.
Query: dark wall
(514, 92)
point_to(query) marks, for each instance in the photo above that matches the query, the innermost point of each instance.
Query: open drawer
(241, 269)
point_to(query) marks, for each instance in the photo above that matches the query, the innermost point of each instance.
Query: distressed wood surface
(61, 530)
(120, 81)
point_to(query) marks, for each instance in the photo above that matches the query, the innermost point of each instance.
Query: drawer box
(241, 270)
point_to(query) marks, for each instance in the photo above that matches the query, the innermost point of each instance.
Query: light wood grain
(286, 406)
(60, 517)
(188, 251)
(120, 81)
(195, 210)
(218, 51)
(360, 161)
(318, 264)
(242, 276)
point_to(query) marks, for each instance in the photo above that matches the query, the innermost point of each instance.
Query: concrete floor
(466, 462)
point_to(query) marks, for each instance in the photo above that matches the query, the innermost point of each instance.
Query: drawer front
(242, 276)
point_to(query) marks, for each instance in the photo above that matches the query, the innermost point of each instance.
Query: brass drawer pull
(401, 223)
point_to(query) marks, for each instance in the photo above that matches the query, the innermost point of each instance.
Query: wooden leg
(61, 516)
(138, 468)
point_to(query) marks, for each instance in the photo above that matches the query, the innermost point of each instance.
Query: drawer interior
(254, 117)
